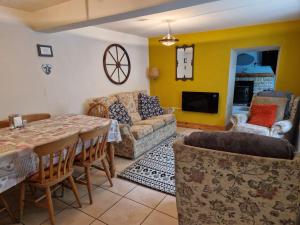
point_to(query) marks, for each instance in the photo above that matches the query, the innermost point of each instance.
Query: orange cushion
(263, 115)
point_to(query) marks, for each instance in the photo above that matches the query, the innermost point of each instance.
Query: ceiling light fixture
(168, 40)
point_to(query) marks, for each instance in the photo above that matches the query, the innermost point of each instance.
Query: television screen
(200, 102)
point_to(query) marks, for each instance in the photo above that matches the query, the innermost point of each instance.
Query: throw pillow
(279, 94)
(117, 111)
(280, 102)
(242, 143)
(263, 115)
(149, 106)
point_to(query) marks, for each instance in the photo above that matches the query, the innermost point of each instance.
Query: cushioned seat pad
(168, 118)
(155, 123)
(140, 131)
(242, 143)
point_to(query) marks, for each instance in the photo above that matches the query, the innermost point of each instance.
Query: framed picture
(44, 50)
(185, 62)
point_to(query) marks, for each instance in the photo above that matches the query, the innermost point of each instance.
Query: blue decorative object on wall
(47, 68)
(244, 59)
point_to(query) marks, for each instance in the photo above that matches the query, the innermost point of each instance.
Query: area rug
(155, 169)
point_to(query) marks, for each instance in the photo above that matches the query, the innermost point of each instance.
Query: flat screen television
(200, 101)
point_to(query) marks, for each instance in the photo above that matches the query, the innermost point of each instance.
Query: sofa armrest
(126, 132)
(169, 110)
(239, 118)
(282, 127)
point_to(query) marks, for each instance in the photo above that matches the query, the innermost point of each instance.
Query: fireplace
(243, 92)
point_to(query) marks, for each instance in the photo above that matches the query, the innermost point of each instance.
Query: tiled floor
(125, 203)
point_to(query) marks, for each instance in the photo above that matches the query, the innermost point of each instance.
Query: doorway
(251, 71)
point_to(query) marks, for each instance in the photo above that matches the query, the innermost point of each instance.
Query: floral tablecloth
(17, 159)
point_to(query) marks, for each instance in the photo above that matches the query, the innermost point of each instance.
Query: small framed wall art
(44, 50)
(185, 62)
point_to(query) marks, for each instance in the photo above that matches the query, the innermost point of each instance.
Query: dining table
(17, 158)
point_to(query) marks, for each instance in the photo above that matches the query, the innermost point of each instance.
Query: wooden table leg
(111, 159)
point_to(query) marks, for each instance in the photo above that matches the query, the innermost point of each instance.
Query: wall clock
(185, 62)
(116, 63)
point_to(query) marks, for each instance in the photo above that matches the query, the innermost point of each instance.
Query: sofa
(143, 135)
(216, 187)
(286, 128)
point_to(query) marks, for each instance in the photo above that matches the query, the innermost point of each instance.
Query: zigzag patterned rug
(155, 170)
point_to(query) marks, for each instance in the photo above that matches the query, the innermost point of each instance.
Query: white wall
(77, 68)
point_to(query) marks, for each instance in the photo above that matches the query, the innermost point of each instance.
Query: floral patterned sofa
(143, 134)
(214, 187)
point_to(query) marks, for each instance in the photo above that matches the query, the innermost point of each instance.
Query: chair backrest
(36, 117)
(4, 123)
(56, 158)
(98, 110)
(93, 143)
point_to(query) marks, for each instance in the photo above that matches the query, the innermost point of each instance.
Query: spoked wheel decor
(116, 63)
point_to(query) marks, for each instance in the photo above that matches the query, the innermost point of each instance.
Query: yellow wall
(212, 60)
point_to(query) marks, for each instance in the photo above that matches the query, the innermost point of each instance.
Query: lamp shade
(153, 73)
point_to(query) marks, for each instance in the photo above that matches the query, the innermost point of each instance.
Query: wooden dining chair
(93, 149)
(36, 117)
(98, 110)
(6, 208)
(55, 165)
(4, 123)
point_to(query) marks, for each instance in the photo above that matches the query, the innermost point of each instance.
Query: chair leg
(50, 205)
(107, 172)
(22, 199)
(88, 182)
(74, 189)
(7, 208)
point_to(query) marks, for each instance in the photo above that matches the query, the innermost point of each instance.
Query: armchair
(214, 187)
(280, 129)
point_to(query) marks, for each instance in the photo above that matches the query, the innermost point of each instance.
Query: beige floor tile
(156, 218)
(168, 206)
(120, 186)
(71, 216)
(122, 163)
(98, 177)
(146, 196)
(125, 212)
(69, 197)
(97, 222)
(34, 215)
(102, 200)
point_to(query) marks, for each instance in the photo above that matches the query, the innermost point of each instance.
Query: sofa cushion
(140, 131)
(127, 99)
(149, 106)
(280, 94)
(155, 123)
(263, 115)
(280, 102)
(168, 118)
(118, 112)
(242, 143)
(136, 97)
(107, 101)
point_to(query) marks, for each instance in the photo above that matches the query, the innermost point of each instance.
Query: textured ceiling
(30, 5)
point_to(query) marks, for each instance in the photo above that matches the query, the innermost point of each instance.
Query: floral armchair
(214, 187)
(280, 129)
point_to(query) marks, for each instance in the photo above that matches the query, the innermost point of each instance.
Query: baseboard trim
(200, 126)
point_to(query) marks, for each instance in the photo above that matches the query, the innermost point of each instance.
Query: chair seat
(251, 128)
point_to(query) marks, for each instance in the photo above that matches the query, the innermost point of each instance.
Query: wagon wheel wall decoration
(116, 64)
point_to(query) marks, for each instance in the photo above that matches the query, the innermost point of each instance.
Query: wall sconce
(153, 73)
